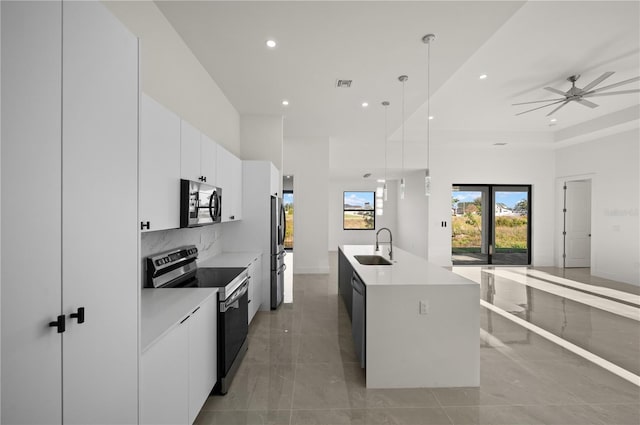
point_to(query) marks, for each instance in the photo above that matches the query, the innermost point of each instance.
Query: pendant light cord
(403, 81)
(428, 104)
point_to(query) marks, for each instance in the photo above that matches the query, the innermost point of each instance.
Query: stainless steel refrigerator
(278, 229)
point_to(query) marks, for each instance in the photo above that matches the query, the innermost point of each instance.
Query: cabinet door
(164, 392)
(100, 216)
(236, 172)
(208, 155)
(189, 152)
(202, 355)
(256, 285)
(159, 166)
(31, 128)
(224, 179)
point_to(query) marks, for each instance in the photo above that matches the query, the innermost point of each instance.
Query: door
(100, 217)
(31, 251)
(578, 223)
(491, 224)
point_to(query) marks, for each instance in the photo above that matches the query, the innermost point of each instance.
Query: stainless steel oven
(177, 269)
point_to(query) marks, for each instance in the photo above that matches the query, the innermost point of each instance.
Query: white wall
(612, 163)
(469, 165)
(308, 161)
(172, 75)
(261, 138)
(339, 236)
(413, 215)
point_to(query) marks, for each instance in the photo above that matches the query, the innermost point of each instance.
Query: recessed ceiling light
(483, 77)
(365, 104)
(271, 43)
(499, 144)
(285, 102)
(553, 120)
(430, 117)
(381, 180)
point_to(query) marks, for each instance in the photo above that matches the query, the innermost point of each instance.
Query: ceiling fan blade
(585, 102)
(536, 101)
(630, 80)
(597, 81)
(611, 92)
(540, 107)
(556, 91)
(563, 104)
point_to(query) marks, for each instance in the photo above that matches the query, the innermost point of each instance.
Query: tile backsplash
(207, 239)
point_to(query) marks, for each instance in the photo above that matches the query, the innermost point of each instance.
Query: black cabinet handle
(78, 315)
(58, 323)
(232, 217)
(145, 224)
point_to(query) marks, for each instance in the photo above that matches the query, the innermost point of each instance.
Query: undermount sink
(372, 260)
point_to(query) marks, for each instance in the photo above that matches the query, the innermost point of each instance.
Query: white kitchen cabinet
(255, 286)
(229, 178)
(253, 234)
(202, 355)
(159, 166)
(164, 383)
(198, 155)
(179, 370)
(69, 121)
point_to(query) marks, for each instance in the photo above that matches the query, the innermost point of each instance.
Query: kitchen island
(421, 320)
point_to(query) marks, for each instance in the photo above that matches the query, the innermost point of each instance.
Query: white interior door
(578, 224)
(31, 212)
(100, 216)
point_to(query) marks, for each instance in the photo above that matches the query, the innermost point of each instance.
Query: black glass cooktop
(217, 277)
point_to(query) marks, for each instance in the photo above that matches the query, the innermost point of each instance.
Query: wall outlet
(424, 307)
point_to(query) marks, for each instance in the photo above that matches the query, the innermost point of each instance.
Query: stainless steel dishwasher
(358, 319)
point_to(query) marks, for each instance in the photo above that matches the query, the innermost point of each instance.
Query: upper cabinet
(198, 155)
(159, 166)
(229, 178)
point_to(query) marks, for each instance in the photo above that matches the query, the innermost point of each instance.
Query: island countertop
(407, 269)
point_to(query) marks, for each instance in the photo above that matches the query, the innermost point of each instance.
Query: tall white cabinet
(69, 215)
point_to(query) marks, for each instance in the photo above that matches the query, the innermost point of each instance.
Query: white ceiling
(521, 46)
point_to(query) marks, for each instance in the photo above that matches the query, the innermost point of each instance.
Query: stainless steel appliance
(278, 229)
(200, 204)
(177, 269)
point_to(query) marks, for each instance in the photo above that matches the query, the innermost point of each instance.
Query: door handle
(58, 323)
(78, 315)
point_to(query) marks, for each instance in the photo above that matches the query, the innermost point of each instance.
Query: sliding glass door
(491, 224)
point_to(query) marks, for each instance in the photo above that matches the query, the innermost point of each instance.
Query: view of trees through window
(287, 201)
(484, 216)
(359, 211)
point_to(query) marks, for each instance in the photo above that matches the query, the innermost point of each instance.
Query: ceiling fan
(576, 94)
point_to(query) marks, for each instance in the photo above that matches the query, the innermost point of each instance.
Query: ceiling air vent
(345, 84)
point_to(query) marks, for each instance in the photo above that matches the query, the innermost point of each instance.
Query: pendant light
(402, 79)
(386, 138)
(427, 39)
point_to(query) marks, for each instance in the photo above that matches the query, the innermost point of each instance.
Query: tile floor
(301, 369)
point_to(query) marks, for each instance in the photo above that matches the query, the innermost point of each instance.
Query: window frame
(373, 209)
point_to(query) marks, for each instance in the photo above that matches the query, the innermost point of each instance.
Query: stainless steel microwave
(200, 204)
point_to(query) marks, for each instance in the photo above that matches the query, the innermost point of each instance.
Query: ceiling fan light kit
(576, 94)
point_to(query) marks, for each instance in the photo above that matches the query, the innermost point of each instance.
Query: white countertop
(407, 269)
(163, 308)
(230, 259)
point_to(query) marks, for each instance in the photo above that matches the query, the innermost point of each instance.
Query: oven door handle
(232, 301)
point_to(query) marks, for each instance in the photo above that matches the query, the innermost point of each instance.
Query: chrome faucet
(390, 241)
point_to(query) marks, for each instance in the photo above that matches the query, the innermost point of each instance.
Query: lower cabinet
(255, 286)
(179, 370)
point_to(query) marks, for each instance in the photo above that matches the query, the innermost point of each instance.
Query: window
(359, 211)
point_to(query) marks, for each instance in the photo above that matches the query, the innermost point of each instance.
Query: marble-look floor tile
(244, 417)
(407, 416)
(320, 386)
(257, 387)
(329, 417)
(618, 414)
(523, 415)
